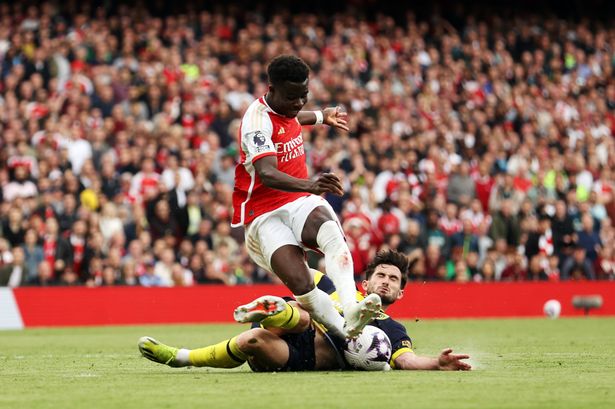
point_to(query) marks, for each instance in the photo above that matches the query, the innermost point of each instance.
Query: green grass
(536, 363)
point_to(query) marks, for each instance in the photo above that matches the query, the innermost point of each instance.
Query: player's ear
(400, 295)
(364, 285)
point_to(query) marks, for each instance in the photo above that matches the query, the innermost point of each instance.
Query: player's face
(386, 282)
(288, 98)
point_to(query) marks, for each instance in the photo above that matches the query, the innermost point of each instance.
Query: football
(370, 351)
(552, 309)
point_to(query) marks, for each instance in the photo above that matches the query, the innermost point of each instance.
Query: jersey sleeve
(256, 136)
(400, 340)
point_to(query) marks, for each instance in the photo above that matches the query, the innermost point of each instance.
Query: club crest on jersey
(406, 344)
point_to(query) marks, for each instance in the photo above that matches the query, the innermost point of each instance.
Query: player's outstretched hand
(447, 361)
(327, 182)
(336, 118)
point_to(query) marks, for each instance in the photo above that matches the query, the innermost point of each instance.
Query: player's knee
(304, 321)
(253, 340)
(314, 222)
(331, 242)
(330, 236)
(302, 284)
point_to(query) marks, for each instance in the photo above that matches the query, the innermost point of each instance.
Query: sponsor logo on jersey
(291, 149)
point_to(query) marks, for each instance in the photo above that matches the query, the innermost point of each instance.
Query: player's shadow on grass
(201, 372)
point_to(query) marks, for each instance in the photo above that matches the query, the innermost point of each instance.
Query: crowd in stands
(481, 147)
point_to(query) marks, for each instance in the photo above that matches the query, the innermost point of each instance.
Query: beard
(388, 297)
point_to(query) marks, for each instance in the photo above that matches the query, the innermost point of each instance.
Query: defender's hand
(450, 362)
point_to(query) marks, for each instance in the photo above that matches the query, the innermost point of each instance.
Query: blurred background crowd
(481, 144)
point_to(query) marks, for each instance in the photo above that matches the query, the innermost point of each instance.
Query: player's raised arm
(272, 177)
(332, 116)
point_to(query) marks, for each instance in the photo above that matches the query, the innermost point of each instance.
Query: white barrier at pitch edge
(10, 318)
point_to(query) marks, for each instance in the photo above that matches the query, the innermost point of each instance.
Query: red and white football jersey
(265, 133)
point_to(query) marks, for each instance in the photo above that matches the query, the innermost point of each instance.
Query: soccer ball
(370, 351)
(552, 308)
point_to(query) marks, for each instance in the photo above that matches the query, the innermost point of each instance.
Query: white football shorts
(280, 227)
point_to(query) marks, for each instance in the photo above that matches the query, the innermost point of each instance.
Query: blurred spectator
(388, 223)
(505, 225)
(605, 264)
(110, 277)
(540, 241)
(577, 266)
(563, 229)
(435, 236)
(20, 186)
(434, 264)
(13, 227)
(164, 218)
(552, 269)
(515, 269)
(461, 273)
(175, 176)
(163, 268)
(461, 187)
(56, 250)
(449, 223)
(535, 270)
(487, 272)
(588, 238)
(413, 242)
(129, 274)
(78, 242)
(45, 276)
(358, 233)
(505, 191)
(149, 278)
(15, 273)
(33, 254)
(109, 223)
(465, 239)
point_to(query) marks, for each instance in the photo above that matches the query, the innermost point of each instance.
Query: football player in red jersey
(281, 208)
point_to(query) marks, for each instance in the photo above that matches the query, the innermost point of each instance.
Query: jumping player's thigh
(273, 246)
(266, 351)
(264, 236)
(307, 215)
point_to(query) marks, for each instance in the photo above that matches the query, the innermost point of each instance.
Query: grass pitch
(532, 363)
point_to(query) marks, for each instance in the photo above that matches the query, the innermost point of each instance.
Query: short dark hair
(287, 68)
(392, 258)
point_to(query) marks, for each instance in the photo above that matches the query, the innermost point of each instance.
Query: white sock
(183, 357)
(321, 308)
(338, 261)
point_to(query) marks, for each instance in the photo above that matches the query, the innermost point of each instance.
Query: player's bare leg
(265, 350)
